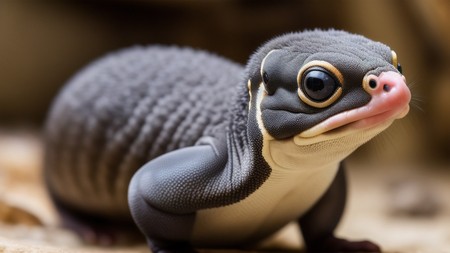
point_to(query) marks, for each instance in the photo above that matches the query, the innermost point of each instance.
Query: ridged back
(126, 109)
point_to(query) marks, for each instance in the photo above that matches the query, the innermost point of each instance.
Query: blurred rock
(412, 198)
(13, 215)
(23, 197)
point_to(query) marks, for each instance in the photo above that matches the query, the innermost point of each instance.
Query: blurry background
(43, 43)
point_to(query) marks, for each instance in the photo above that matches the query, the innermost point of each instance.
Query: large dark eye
(319, 85)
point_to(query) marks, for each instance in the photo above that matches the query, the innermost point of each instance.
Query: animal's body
(126, 109)
(231, 154)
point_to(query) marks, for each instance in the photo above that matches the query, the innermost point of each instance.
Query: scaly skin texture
(226, 155)
(126, 109)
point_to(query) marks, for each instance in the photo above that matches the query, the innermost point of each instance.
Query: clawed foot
(333, 244)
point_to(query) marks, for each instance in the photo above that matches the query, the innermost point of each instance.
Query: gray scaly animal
(205, 153)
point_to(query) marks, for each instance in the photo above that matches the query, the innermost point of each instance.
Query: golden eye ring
(395, 62)
(328, 67)
(394, 58)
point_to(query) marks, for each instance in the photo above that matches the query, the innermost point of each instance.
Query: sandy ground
(404, 209)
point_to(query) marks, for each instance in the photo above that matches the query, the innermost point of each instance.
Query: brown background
(402, 202)
(42, 43)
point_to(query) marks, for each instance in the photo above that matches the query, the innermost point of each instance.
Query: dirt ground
(404, 209)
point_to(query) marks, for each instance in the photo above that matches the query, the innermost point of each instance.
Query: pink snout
(389, 91)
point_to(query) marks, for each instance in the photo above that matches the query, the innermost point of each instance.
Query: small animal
(202, 152)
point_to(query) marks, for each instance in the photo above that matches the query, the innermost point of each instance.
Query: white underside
(281, 199)
(301, 173)
(286, 195)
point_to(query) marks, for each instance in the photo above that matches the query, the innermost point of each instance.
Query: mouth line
(353, 119)
(353, 124)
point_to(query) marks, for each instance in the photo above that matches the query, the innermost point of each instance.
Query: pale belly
(283, 198)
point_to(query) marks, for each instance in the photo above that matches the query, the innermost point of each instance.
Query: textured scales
(128, 108)
(228, 160)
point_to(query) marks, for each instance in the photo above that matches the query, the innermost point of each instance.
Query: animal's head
(325, 88)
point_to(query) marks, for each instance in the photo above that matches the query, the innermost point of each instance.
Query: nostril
(372, 83)
(386, 87)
